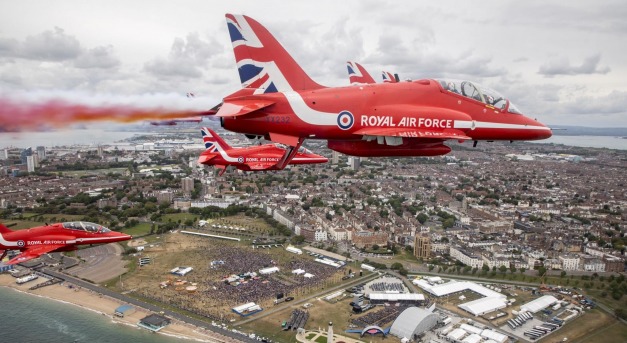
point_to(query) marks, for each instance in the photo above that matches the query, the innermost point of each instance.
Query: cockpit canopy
(85, 226)
(479, 93)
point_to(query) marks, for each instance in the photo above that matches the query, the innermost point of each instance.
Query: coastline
(103, 305)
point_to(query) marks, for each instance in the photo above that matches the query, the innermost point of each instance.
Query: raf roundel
(240, 159)
(345, 120)
(20, 243)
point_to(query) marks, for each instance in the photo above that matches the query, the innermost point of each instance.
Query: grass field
(593, 326)
(138, 230)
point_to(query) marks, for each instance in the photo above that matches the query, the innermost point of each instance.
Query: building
(41, 153)
(124, 310)
(614, 264)
(25, 153)
(354, 162)
(154, 322)
(30, 163)
(335, 157)
(466, 257)
(320, 236)
(569, 262)
(413, 322)
(422, 247)
(4, 154)
(366, 239)
(166, 196)
(187, 183)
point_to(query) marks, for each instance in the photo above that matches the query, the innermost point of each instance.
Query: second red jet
(255, 158)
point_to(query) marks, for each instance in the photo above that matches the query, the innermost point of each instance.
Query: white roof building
(413, 321)
(474, 338)
(456, 334)
(454, 287)
(484, 305)
(396, 297)
(538, 304)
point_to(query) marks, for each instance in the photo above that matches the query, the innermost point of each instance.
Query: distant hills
(567, 130)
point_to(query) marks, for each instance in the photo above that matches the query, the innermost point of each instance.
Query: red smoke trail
(21, 116)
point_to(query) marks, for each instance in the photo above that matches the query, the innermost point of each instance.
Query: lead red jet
(281, 103)
(255, 158)
(40, 240)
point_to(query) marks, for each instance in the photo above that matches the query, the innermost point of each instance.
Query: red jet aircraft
(262, 157)
(41, 240)
(280, 102)
(357, 74)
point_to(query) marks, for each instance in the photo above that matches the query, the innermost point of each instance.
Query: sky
(562, 62)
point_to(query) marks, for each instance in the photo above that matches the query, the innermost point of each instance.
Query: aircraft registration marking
(278, 119)
(388, 121)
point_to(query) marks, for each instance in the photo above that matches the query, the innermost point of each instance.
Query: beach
(105, 306)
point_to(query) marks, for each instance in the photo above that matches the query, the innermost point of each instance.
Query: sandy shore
(104, 305)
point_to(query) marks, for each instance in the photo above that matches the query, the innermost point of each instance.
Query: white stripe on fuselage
(308, 115)
(7, 243)
(464, 124)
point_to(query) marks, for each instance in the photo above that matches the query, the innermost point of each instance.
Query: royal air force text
(388, 121)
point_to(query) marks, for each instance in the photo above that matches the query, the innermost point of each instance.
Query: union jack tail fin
(357, 73)
(212, 141)
(263, 64)
(389, 77)
(4, 229)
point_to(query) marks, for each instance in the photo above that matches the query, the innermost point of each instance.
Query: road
(153, 308)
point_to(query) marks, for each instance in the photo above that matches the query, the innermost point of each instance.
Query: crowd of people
(214, 297)
(383, 287)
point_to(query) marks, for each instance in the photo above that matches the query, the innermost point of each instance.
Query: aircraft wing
(34, 252)
(413, 133)
(234, 108)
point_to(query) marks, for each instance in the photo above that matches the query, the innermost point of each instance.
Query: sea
(93, 137)
(609, 142)
(28, 318)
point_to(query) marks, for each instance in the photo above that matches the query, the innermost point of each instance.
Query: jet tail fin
(262, 62)
(212, 141)
(4, 229)
(358, 74)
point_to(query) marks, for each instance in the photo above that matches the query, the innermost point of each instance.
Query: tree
(422, 217)
(396, 266)
(375, 247)
(541, 271)
(431, 266)
(503, 269)
(512, 269)
(562, 274)
(485, 269)
(474, 270)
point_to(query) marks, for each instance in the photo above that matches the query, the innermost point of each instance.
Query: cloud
(99, 57)
(51, 45)
(186, 59)
(562, 66)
